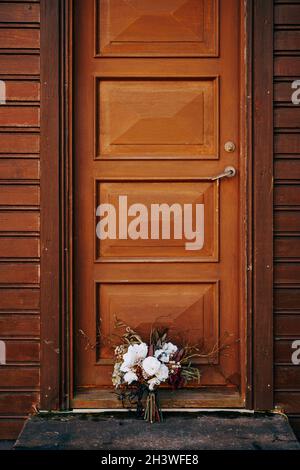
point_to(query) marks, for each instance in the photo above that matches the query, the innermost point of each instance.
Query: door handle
(228, 172)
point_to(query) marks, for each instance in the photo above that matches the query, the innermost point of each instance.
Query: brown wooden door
(156, 97)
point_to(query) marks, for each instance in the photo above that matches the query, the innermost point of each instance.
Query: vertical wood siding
(19, 212)
(286, 207)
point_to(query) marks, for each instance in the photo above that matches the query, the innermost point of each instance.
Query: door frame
(56, 202)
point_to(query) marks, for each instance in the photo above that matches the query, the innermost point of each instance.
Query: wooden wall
(286, 207)
(19, 212)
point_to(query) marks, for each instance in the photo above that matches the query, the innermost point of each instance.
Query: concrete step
(186, 431)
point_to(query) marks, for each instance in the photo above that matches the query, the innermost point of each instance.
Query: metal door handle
(228, 172)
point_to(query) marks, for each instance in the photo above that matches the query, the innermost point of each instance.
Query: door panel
(155, 118)
(155, 100)
(145, 28)
(147, 193)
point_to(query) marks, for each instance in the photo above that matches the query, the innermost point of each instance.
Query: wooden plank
(17, 38)
(19, 169)
(19, 116)
(19, 247)
(287, 143)
(22, 351)
(50, 203)
(19, 195)
(19, 325)
(10, 428)
(287, 195)
(287, 378)
(287, 325)
(287, 247)
(22, 90)
(19, 143)
(13, 12)
(287, 117)
(19, 64)
(19, 221)
(283, 350)
(286, 66)
(287, 40)
(288, 401)
(20, 376)
(18, 403)
(287, 273)
(19, 273)
(286, 299)
(287, 221)
(19, 299)
(209, 397)
(263, 207)
(287, 169)
(287, 14)
(283, 91)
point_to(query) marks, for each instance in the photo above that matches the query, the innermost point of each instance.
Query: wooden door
(156, 97)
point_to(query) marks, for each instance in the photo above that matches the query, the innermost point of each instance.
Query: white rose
(151, 365)
(167, 350)
(153, 382)
(163, 373)
(170, 348)
(130, 377)
(134, 354)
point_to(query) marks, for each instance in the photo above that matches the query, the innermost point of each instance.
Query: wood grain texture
(19, 247)
(263, 207)
(287, 299)
(19, 325)
(22, 90)
(50, 203)
(19, 64)
(17, 38)
(22, 351)
(19, 169)
(19, 214)
(287, 218)
(182, 28)
(19, 116)
(287, 15)
(283, 350)
(19, 221)
(10, 428)
(15, 12)
(12, 377)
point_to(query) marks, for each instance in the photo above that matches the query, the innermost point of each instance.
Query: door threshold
(169, 399)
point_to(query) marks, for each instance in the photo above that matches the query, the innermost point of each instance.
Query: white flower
(170, 348)
(130, 377)
(167, 350)
(151, 365)
(153, 382)
(134, 354)
(163, 373)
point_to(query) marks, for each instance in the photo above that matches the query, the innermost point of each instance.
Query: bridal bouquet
(140, 369)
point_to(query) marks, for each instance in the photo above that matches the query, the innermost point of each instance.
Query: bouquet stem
(152, 410)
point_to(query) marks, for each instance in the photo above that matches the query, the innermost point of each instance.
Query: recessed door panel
(157, 28)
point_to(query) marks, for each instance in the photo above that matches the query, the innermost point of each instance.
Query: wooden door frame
(56, 203)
